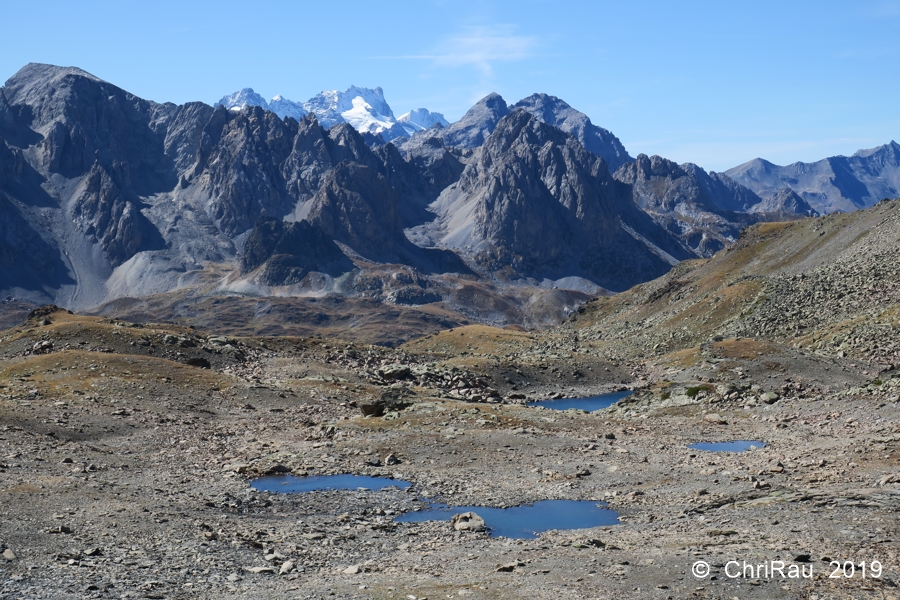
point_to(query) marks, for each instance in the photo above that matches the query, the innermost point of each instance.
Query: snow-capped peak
(419, 119)
(363, 108)
(245, 97)
(283, 107)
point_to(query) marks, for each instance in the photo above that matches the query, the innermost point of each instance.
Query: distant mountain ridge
(364, 108)
(837, 183)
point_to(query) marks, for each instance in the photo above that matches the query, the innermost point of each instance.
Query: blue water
(286, 484)
(589, 404)
(736, 446)
(525, 522)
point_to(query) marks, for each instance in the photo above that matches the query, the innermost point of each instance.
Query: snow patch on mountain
(283, 107)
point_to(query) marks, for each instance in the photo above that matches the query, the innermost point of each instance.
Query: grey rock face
(238, 166)
(721, 191)
(838, 183)
(553, 111)
(289, 251)
(356, 206)
(84, 120)
(697, 207)
(533, 202)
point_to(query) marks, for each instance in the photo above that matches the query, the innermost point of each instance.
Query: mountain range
(514, 214)
(837, 183)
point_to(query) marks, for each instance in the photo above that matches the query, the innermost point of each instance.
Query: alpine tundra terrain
(127, 450)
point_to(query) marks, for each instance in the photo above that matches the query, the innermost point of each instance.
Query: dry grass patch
(77, 369)
(744, 348)
(481, 339)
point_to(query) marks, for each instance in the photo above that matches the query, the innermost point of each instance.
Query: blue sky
(715, 83)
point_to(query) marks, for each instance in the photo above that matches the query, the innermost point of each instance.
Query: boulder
(468, 521)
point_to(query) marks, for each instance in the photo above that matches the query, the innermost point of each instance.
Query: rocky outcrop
(434, 163)
(785, 205)
(238, 167)
(356, 206)
(553, 111)
(103, 214)
(287, 252)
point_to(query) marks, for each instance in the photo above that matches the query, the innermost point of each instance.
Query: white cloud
(480, 47)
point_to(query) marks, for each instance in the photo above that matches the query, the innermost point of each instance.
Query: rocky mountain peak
(241, 99)
(475, 126)
(556, 112)
(534, 202)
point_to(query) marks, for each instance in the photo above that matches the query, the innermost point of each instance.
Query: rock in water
(468, 521)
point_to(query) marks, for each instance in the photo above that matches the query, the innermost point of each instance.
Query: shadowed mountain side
(288, 251)
(25, 257)
(357, 206)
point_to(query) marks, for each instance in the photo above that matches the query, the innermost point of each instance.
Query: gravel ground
(125, 471)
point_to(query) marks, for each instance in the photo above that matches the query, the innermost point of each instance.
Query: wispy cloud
(480, 47)
(884, 10)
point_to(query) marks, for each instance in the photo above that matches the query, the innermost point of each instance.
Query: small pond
(527, 521)
(590, 404)
(286, 484)
(735, 446)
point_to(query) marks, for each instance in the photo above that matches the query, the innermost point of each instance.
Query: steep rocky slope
(553, 111)
(830, 285)
(532, 202)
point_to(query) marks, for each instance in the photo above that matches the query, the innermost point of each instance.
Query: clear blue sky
(716, 83)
